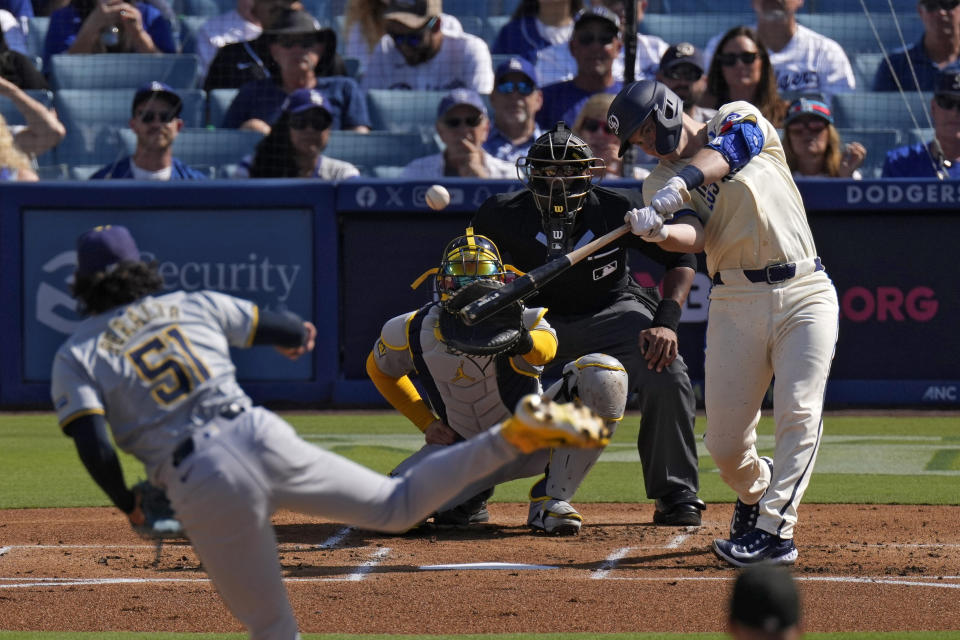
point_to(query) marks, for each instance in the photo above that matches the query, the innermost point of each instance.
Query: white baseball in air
(437, 197)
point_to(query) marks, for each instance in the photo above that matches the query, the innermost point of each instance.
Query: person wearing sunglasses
(595, 45)
(741, 70)
(297, 45)
(938, 47)
(557, 63)
(294, 147)
(155, 119)
(940, 157)
(418, 53)
(516, 99)
(812, 144)
(682, 69)
(463, 126)
(804, 61)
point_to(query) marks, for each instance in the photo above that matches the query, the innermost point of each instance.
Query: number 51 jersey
(156, 368)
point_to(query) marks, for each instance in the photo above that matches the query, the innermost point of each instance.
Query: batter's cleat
(745, 515)
(756, 547)
(679, 509)
(554, 517)
(461, 517)
(539, 423)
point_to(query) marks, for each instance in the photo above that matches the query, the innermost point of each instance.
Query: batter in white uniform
(773, 310)
(157, 368)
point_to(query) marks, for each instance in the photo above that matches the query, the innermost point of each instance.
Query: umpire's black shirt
(512, 221)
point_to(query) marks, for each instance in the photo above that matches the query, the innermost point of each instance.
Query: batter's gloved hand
(670, 198)
(646, 224)
(497, 334)
(152, 516)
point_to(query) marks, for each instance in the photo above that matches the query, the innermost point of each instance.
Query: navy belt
(773, 274)
(185, 448)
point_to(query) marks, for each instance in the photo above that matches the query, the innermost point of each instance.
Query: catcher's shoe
(461, 517)
(756, 547)
(554, 517)
(745, 516)
(539, 423)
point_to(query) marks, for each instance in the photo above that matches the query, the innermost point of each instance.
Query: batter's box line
(837, 579)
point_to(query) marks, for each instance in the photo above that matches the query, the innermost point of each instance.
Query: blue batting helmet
(639, 100)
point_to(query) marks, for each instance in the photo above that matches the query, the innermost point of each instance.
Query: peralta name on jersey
(135, 317)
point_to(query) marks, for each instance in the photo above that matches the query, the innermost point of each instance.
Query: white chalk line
(610, 563)
(335, 539)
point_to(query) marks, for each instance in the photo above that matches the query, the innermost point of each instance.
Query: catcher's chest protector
(476, 392)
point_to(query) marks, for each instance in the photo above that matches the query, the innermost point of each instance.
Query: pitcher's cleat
(540, 423)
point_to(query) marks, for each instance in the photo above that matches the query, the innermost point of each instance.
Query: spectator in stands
(156, 122)
(108, 26)
(741, 70)
(557, 63)
(13, 32)
(536, 25)
(812, 144)
(938, 47)
(682, 69)
(591, 126)
(240, 24)
(941, 156)
(42, 130)
(294, 147)
(364, 26)
(14, 163)
(765, 605)
(20, 9)
(463, 126)
(595, 45)
(516, 99)
(296, 45)
(420, 55)
(804, 60)
(19, 69)
(236, 64)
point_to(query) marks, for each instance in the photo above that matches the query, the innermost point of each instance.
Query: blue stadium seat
(205, 147)
(37, 35)
(206, 8)
(688, 7)
(352, 65)
(378, 148)
(854, 33)
(83, 171)
(913, 136)
(463, 8)
(682, 28)
(403, 111)
(877, 142)
(189, 25)
(865, 68)
(122, 70)
(93, 146)
(902, 7)
(10, 112)
(387, 172)
(474, 25)
(218, 101)
(879, 110)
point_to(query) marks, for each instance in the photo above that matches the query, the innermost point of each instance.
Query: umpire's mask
(559, 170)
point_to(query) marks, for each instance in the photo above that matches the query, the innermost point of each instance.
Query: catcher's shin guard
(597, 380)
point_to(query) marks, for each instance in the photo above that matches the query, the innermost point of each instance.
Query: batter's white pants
(756, 331)
(244, 469)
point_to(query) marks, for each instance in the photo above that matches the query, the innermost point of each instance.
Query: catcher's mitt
(499, 333)
(153, 517)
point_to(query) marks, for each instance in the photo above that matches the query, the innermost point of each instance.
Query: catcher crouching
(473, 377)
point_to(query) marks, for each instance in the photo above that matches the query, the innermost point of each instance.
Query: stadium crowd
(193, 89)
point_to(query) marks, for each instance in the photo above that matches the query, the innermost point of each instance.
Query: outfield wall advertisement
(346, 257)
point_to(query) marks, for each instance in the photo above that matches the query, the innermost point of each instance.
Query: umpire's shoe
(554, 517)
(679, 509)
(745, 516)
(539, 423)
(756, 547)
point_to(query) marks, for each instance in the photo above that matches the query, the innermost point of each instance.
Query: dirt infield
(861, 568)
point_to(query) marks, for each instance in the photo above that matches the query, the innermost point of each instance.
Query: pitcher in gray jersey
(157, 368)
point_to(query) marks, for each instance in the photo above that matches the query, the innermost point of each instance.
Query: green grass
(869, 460)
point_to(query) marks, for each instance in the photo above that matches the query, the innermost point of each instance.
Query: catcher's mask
(468, 258)
(559, 169)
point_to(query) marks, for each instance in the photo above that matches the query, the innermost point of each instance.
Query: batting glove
(646, 224)
(670, 198)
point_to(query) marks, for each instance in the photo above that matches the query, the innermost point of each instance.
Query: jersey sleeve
(72, 390)
(235, 316)
(391, 353)
(544, 337)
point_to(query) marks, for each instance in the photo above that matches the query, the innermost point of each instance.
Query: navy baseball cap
(808, 106)
(294, 22)
(103, 247)
(461, 96)
(765, 597)
(304, 99)
(597, 13)
(516, 64)
(156, 88)
(412, 14)
(948, 80)
(679, 54)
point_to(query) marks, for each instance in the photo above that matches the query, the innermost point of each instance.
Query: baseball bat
(484, 307)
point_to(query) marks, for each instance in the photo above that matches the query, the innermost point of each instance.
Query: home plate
(485, 566)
